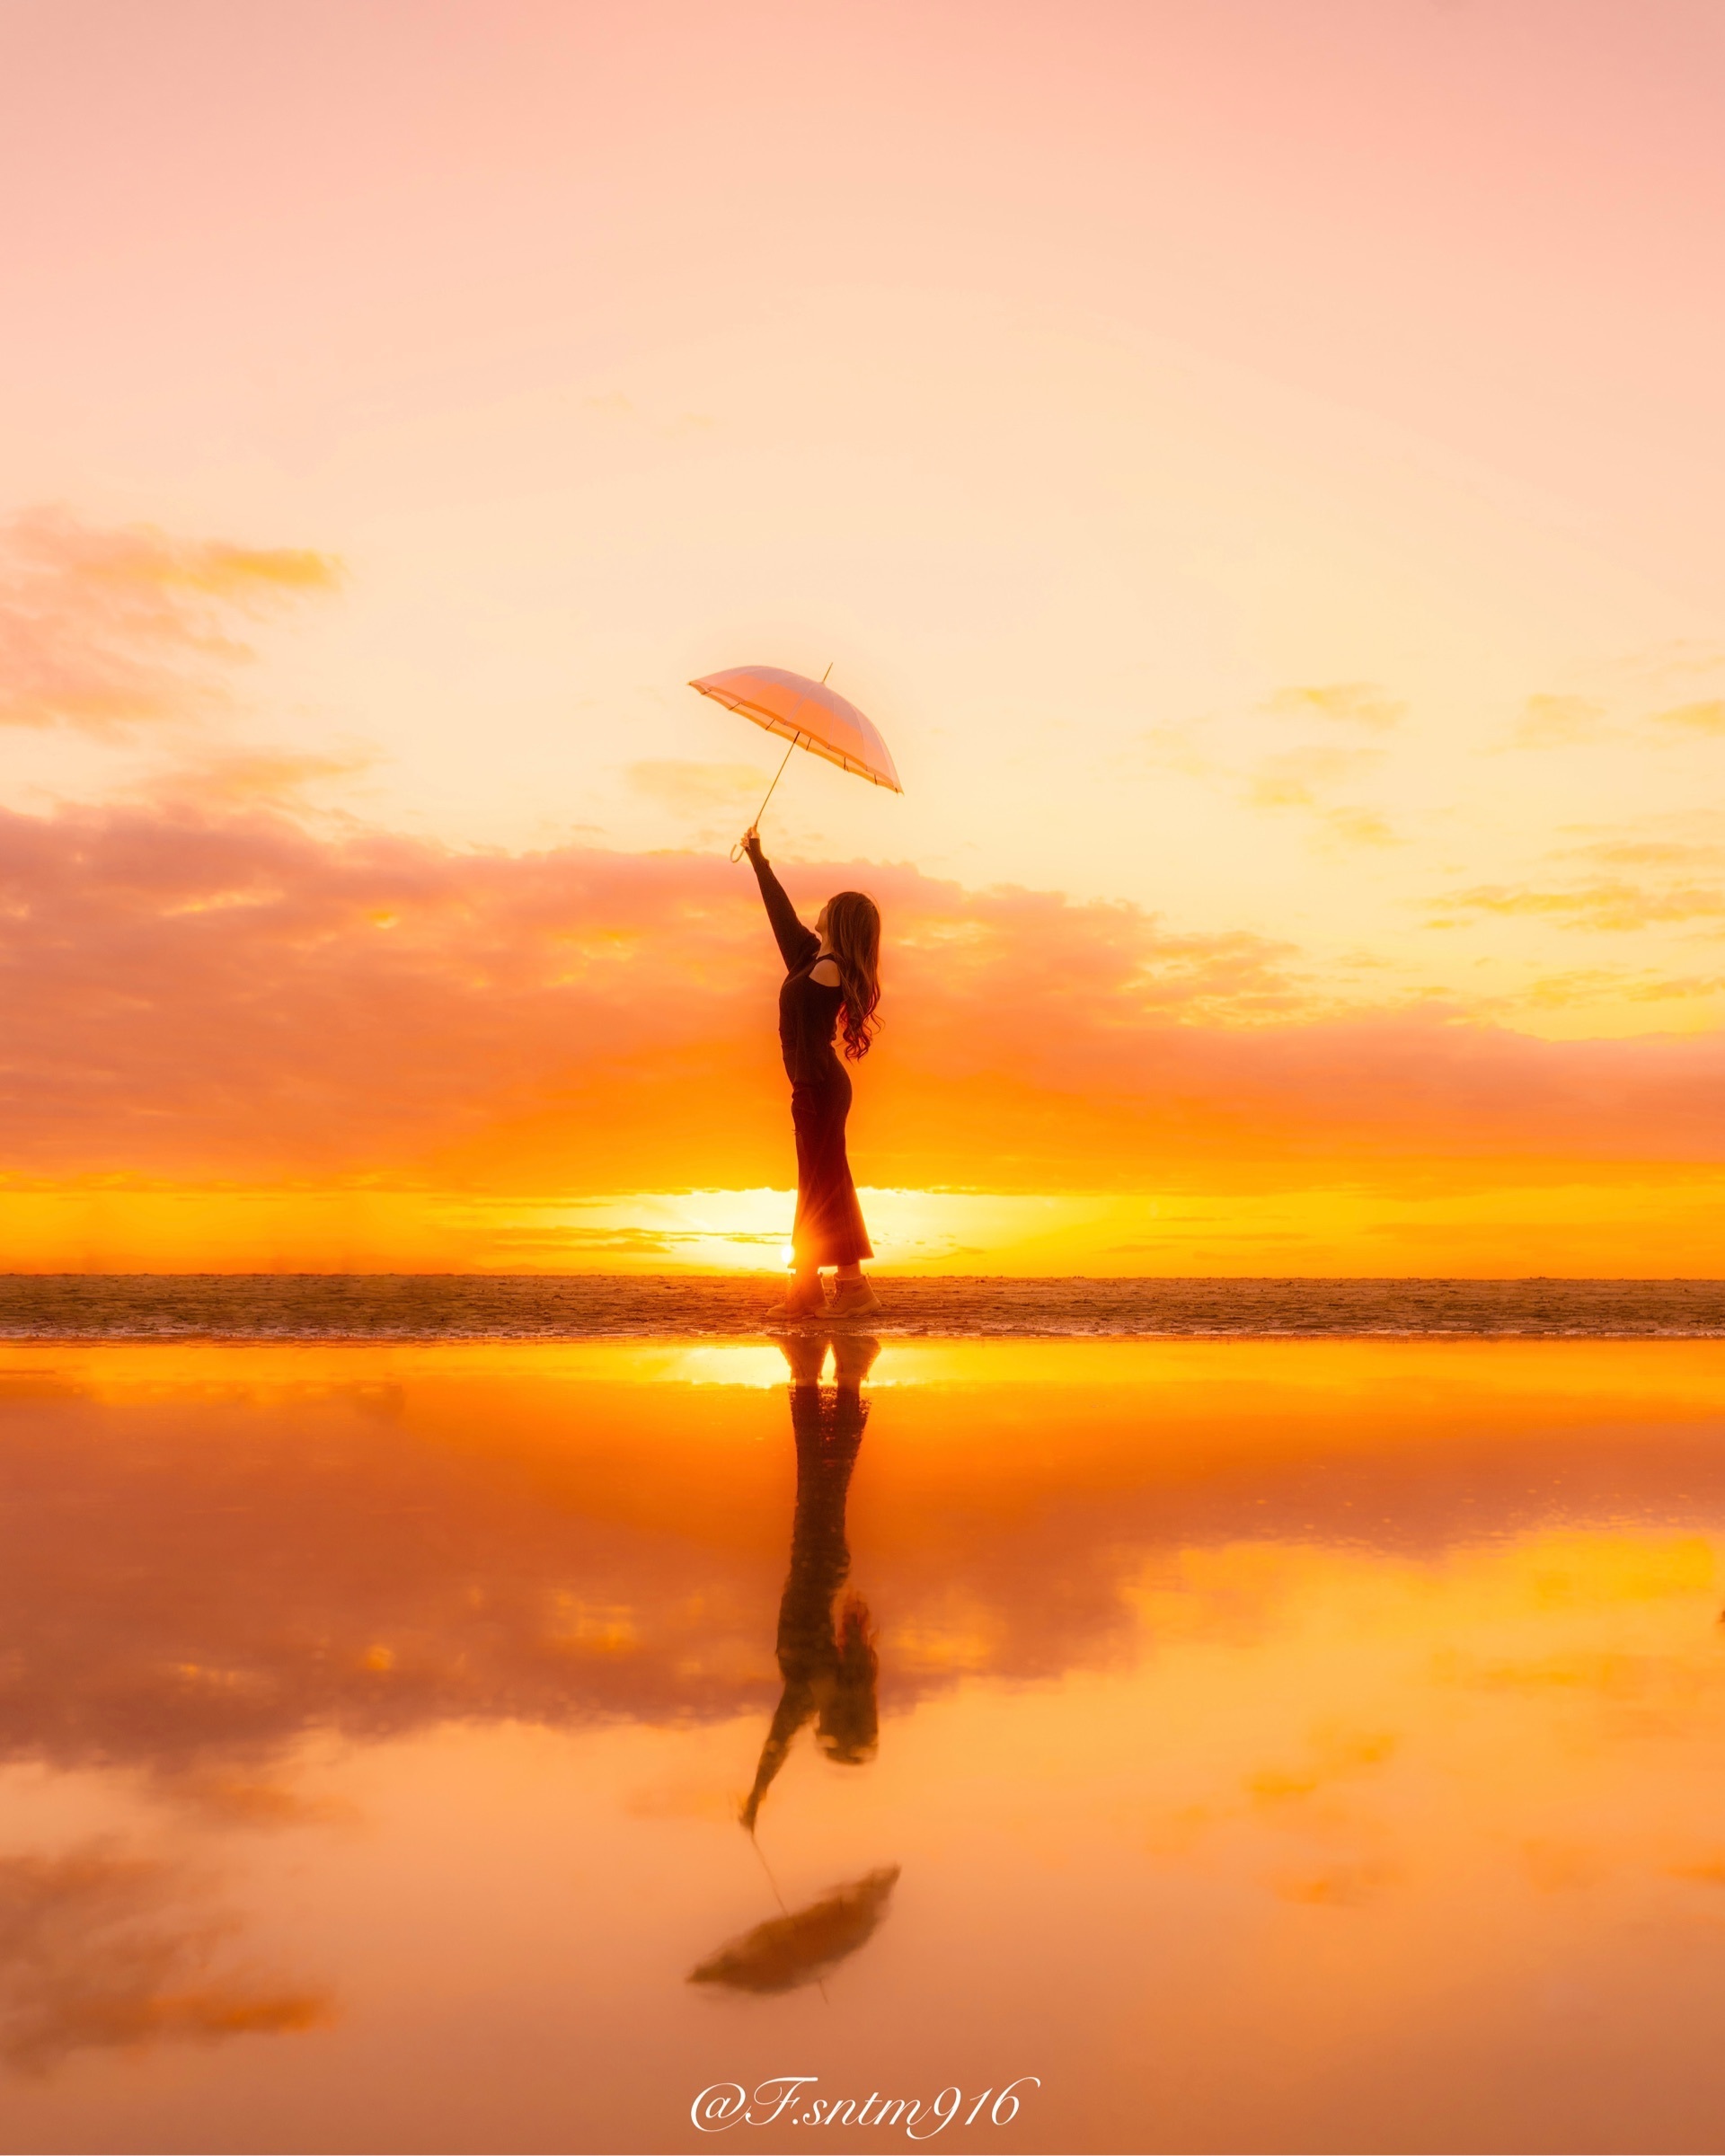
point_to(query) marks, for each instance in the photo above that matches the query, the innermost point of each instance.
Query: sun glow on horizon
(1584, 1222)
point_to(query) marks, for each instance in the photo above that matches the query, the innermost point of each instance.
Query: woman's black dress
(828, 1229)
(816, 1663)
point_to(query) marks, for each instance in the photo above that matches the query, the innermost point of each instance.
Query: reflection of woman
(831, 973)
(825, 1655)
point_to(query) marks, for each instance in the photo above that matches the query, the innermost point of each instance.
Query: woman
(831, 973)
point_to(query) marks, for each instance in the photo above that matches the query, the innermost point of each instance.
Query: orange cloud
(225, 995)
(1286, 780)
(1292, 778)
(1597, 983)
(1706, 718)
(1607, 904)
(102, 630)
(1360, 828)
(1353, 702)
(1652, 854)
(1560, 722)
(1578, 721)
(100, 1949)
(697, 788)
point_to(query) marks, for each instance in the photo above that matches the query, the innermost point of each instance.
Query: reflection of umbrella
(790, 1951)
(808, 715)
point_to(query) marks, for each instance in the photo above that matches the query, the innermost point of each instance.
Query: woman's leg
(805, 1297)
(805, 1239)
(831, 1208)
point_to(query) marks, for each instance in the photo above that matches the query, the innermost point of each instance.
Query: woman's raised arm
(797, 944)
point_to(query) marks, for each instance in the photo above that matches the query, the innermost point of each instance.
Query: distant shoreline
(587, 1307)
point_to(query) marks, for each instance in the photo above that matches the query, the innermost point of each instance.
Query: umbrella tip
(830, 664)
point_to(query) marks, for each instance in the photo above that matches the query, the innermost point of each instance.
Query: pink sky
(1496, 226)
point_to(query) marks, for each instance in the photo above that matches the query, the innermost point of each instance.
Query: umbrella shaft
(736, 851)
(777, 775)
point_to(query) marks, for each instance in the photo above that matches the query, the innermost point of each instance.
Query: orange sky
(1259, 465)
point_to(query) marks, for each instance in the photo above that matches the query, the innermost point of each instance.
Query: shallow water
(1299, 1746)
(482, 1306)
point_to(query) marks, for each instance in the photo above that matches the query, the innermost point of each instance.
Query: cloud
(1293, 779)
(223, 995)
(1304, 777)
(1560, 722)
(1333, 1756)
(1650, 853)
(1578, 721)
(103, 629)
(1175, 748)
(1682, 880)
(1598, 985)
(1609, 903)
(100, 1949)
(1348, 703)
(1706, 718)
(1360, 828)
(1289, 779)
(698, 789)
(265, 778)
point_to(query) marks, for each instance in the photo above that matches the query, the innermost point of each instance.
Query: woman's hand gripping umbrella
(806, 714)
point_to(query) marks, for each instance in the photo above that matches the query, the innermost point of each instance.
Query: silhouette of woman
(831, 973)
(827, 1655)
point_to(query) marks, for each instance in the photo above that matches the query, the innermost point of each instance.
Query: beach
(1303, 1743)
(590, 1306)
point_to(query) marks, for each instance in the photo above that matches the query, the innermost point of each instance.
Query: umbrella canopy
(802, 1945)
(808, 715)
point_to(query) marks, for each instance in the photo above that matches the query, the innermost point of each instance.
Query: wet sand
(580, 1306)
(1296, 1745)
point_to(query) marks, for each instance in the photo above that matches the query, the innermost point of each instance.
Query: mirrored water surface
(1219, 1744)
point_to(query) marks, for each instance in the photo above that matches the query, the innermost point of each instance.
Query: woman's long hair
(849, 1728)
(853, 931)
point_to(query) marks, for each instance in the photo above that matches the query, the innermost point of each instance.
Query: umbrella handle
(736, 851)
